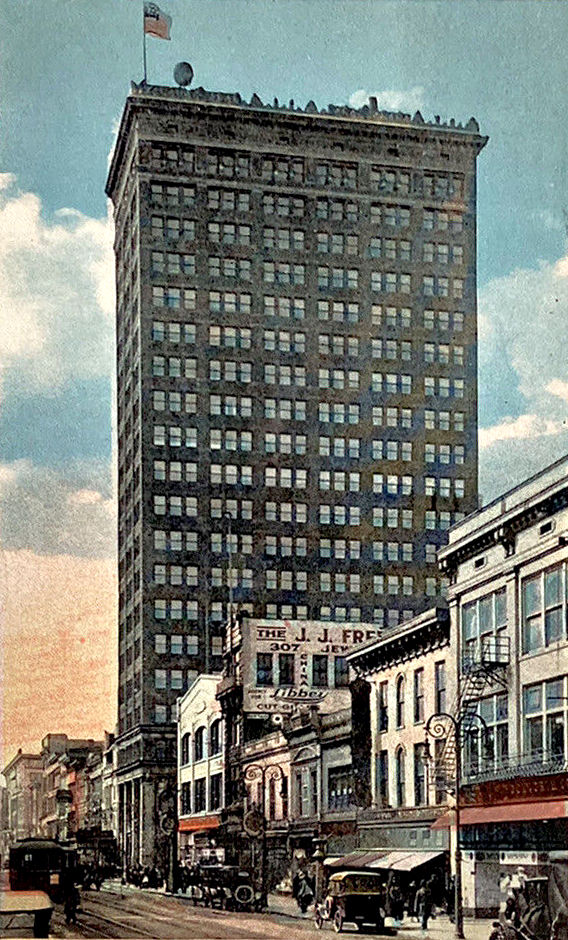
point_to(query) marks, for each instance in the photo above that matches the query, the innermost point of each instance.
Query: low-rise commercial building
(21, 774)
(508, 571)
(200, 770)
(402, 679)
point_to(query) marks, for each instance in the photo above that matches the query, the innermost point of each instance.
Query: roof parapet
(368, 112)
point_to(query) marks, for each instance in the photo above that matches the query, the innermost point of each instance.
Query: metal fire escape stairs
(482, 671)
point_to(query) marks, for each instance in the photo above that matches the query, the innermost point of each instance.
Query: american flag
(156, 22)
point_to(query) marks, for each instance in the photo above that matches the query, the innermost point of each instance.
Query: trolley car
(42, 865)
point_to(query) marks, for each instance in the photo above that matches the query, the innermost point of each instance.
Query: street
(120, 913)
(116, 913)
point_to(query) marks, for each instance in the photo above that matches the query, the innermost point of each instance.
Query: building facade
(67, 794)
(507, 566)
(22, 775)
(405, 677)
(297, 400)
(200, 771)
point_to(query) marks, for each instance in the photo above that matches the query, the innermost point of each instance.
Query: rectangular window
(286, 669)
(383, 778)
(418, 695)
(420, 789)
(440, 686)
(264, 675)
(383, 716)
(319, 670)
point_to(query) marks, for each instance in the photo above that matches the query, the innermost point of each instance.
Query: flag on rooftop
(156, 22)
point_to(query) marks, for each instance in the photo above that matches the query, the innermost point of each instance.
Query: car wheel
(338, 921)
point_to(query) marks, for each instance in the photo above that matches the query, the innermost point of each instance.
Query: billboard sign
(288, 663)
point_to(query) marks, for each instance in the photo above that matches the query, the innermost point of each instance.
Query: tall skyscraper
(297, 392)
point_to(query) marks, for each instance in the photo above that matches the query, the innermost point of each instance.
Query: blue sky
(66, 67)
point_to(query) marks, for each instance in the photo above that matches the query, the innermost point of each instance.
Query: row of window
(390, 383)
(174, 678)
(284, 170)
(202, 802)
(231, 439)
(286, 546)
(385, 690)
(180, 643)
(420, 774)
(206, 742)
(230, 302)
(334, 210)
(282, 669)
(342, 613)
(234, 337)
(280, 272)
(337, 514)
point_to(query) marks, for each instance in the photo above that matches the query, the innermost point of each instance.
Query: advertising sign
(287, 664)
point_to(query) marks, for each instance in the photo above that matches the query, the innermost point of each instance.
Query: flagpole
(144, 40)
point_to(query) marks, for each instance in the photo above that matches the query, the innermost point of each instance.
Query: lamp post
(260, 773)
(318, 856)
(437, 728)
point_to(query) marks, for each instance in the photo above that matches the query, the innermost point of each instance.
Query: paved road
(116, 914)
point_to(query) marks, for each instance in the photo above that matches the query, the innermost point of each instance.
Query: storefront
(507, 827)
(198, 840)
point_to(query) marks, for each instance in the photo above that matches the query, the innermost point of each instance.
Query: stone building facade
(200, 770)
(407, 676)
(507, 566)
(297, 397)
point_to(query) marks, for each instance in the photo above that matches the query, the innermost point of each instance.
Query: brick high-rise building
(297, 392)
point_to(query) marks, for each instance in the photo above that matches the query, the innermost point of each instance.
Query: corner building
(297, 399)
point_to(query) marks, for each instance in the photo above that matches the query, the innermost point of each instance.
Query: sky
(66, 67)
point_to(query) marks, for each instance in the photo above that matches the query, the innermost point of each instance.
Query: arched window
(185, 753)
(199, 744)
(400, 778)
(215, 738)
(400, 702)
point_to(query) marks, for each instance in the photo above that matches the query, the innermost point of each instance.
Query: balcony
(487, 652)
(537, 764)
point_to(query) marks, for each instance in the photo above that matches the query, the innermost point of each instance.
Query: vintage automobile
(223, 886)
(354, 897)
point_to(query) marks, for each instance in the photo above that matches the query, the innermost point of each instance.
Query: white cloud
(558, 388)
(392, 100)
(524, 326)
(522, 428)
(56, 293)
(67, 511)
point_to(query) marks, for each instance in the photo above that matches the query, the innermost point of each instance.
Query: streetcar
(42, 865)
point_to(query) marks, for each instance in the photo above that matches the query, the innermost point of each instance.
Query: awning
(404, 860)
(505, 812)
(360, 859)
(383, 860)
(198, 823)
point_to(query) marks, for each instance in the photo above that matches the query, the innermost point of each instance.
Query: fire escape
(482, 671)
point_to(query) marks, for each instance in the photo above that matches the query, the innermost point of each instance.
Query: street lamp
(261, 773)
(437, 728)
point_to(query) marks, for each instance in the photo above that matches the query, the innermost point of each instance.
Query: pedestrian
(71, 903)
(304, 894)
(396, 903)
(424, 904)
(411, 900)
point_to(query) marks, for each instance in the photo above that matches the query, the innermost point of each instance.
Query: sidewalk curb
(116, 885)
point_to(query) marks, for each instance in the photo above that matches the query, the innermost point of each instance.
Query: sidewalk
(439, 927)
(284, 905)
